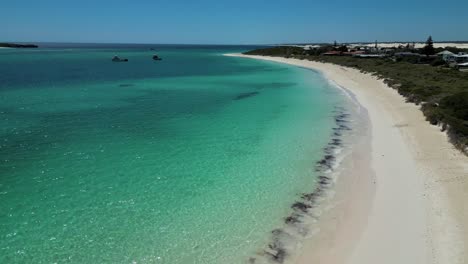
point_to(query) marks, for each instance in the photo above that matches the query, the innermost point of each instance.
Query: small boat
(156, 57)
(117, 59)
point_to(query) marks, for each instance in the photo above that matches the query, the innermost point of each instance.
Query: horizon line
(230, 44)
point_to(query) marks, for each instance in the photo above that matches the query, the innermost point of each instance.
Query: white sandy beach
(415, 208)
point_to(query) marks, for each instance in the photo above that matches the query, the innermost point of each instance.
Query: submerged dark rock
(324, 178)
(328, 149)
(326, 161)
(310, 196)
(280, 255)
(322, 162)
(336, 142)
(342, 115)
(340, 120)
(277, 232)
(245, 95)
(324, 181)
(126, 85)
(292, 219)
(343, 127)
(276, 251)
(301, 206)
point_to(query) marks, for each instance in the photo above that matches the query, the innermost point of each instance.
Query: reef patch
(245, 95)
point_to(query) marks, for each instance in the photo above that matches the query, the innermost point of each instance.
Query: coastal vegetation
(14, 45)
(441, 91)
(429, 47)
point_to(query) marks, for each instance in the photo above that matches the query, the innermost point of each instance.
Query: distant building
(457, 58)
(332, 53)
(310, 47)
(354, 52)
(389, 51)
(370, 55)
(407, 54)
(445, 54)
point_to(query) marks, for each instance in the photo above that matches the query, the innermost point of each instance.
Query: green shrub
(438, 62)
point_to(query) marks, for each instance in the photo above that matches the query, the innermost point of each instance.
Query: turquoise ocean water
(192, 159)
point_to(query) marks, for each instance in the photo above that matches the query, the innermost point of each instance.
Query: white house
(445, 54)
(457, 58)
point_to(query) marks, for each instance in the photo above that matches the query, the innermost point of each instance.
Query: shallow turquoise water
(193, 159)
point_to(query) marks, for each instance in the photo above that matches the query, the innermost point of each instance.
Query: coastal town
(458, 60)
(452, 55)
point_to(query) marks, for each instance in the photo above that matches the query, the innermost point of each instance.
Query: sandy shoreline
(412, 207)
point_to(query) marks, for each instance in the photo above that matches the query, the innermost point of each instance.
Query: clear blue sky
(231, 22)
